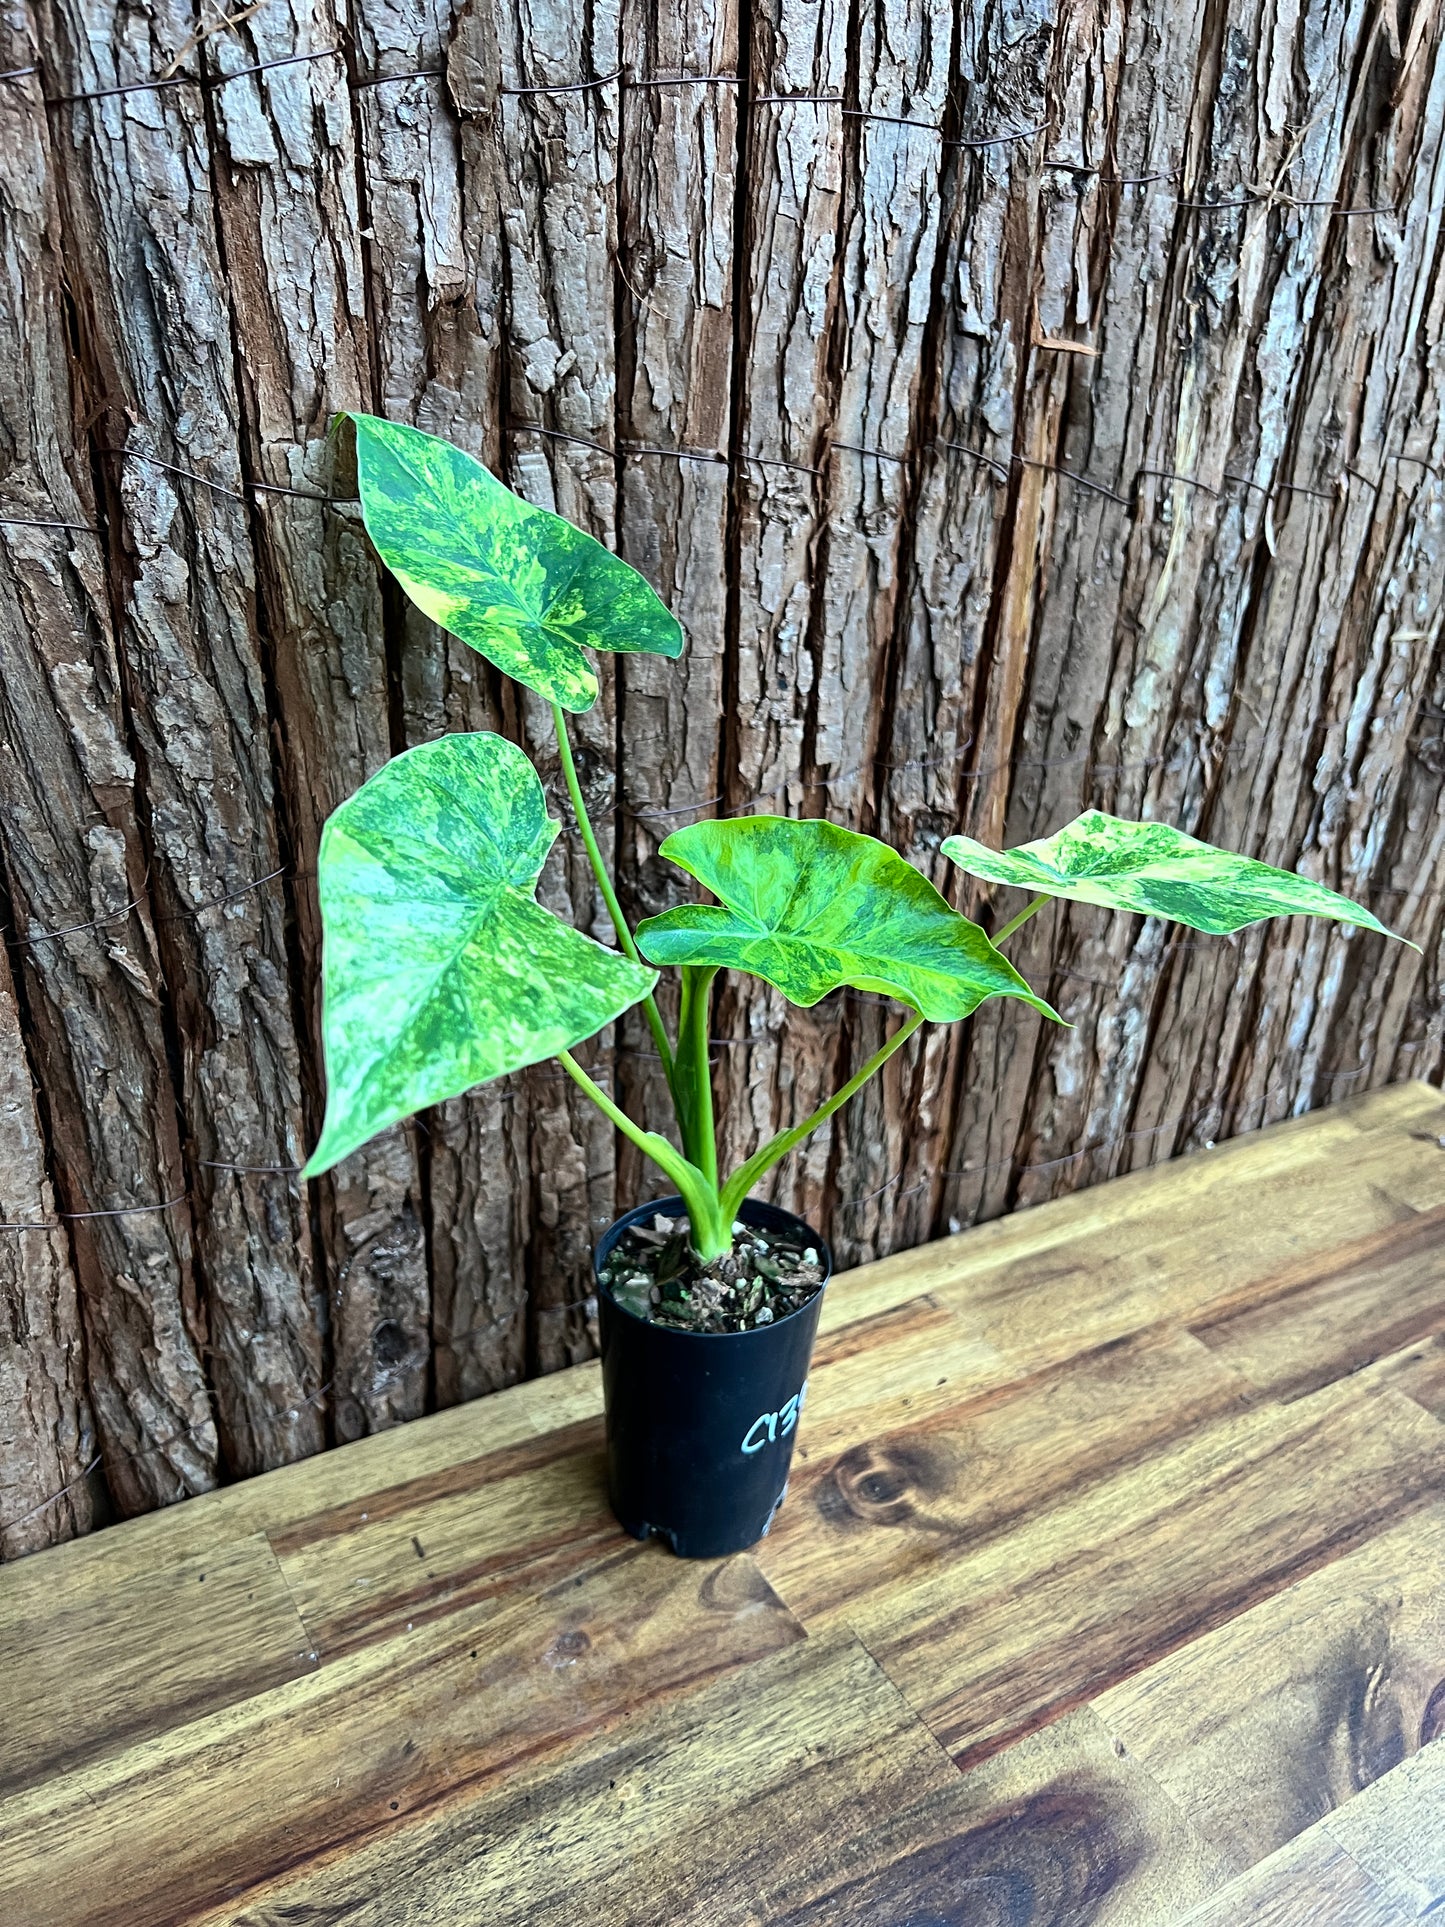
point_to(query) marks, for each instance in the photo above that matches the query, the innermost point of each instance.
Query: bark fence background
(1024, 406)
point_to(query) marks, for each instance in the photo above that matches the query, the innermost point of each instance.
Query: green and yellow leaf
(440, 969)
(522, 586)
(810, 907)
(1158, 872)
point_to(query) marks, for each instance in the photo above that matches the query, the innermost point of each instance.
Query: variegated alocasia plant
(441, 969)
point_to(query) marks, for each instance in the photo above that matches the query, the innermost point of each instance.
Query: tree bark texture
(1023, 409)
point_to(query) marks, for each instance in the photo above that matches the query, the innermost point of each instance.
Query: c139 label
(768, 1427)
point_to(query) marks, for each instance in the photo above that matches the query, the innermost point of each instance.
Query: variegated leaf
(439, 967)
(1158, 872)
(810, 907)
(523, 587)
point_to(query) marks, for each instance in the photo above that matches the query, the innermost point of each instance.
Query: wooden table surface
(1110, 1588)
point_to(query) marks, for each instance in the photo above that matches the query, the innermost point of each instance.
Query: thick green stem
(1023, 916)
(746, 1176)
(604, 884)
(693, 1070)
(711, 1227)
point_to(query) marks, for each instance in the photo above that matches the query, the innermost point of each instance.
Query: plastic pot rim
(620, 1223)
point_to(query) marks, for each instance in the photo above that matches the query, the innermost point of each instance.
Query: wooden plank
(346, 1764)
(93, 1667)
(1309, 1883)
(1170, 1242)
(1395, 1829)
(479, 1530)
(1330, 1314)
(1418, 1371)
(1260, 1728)
(1064, 1826)
(1377, 1861)
(1086, 1593)
(381, 1464)
(899, 1474)
(803, 1792)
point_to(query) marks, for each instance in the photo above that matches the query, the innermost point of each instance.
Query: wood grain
(1309, 1881)
(1171, 1241)
(1065, 1826)
(161, 1648)
(413, 1457)
(1374, 1296)
(1395, 1830)
(1419, 1372)
(432, 1724)
(637, 1826)
(1181, 1630)
(93, 992)
(1036, 268)
(419, 1550)
(1018, 1630)
(1263, 1727)
(894, 1485)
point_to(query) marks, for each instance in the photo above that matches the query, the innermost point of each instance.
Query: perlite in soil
(653, 1273)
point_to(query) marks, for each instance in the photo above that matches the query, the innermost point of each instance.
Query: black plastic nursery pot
(700, 1425)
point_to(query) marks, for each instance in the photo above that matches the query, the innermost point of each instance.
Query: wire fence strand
(1196, 201)
(1000, 464)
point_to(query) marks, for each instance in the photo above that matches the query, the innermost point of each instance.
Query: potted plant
(441, 970)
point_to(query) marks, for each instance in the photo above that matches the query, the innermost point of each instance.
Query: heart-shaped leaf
(810, 907)
(439, 967)
(1158, 872)
(522, 586)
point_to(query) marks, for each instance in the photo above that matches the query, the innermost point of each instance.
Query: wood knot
(881, 1483)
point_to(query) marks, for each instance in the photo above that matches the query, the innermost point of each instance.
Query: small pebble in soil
(652, 1273)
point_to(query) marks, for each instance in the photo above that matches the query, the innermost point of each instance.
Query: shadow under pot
(700, 1425)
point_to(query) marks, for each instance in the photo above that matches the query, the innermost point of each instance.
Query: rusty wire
(626, 80)
(998, 466)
